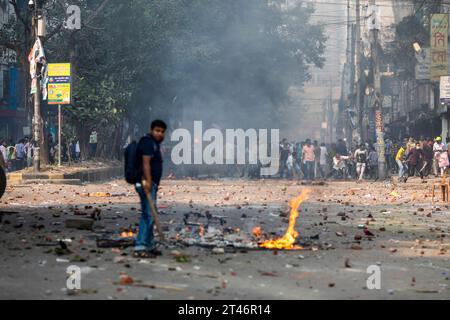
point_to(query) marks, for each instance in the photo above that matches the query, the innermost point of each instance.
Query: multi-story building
(318, 99)
(412, 106)
(12, 114)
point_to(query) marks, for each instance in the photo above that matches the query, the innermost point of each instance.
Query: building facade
(12, 113)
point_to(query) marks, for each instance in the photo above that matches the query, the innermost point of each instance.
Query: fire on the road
(287, 242)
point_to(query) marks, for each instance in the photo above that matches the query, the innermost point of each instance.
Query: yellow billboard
(59, 83)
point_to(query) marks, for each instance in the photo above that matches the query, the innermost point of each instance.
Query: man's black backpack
(133, 165)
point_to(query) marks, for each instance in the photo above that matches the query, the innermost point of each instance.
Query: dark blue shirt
(149, 147)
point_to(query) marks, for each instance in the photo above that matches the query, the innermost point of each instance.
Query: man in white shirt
(361, 156)
(324, 159)
(339, 165)
(438, 148)
(93, 140)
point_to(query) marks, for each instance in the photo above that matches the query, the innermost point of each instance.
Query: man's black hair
(159, 124)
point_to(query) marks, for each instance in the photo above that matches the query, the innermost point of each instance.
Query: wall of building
(11, 111)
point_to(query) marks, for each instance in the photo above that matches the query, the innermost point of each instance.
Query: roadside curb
(78, 177)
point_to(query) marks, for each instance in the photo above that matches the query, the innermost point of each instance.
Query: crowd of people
(19, 155)
(309, 160)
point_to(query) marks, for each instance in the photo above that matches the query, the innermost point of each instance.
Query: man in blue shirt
(150, 165)
(20, 155)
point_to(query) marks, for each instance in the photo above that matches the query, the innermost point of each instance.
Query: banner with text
(439, 46)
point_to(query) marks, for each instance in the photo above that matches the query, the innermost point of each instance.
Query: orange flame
(257, 232)
(127, 234)
(288, 240)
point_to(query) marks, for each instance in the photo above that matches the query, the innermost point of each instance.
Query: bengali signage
(59, 83)
(439, 46)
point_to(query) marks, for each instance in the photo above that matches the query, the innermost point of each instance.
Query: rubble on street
(214, 234)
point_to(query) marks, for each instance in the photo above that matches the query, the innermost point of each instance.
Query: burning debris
(287, 242)
(206, 230)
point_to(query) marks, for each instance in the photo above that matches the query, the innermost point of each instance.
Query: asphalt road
(344, 228)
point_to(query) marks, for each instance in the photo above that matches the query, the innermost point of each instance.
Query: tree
(228, 62)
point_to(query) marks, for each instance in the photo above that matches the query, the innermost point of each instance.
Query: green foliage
(140, 58)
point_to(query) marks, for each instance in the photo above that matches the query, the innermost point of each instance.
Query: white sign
(423, 64)
(445, 90)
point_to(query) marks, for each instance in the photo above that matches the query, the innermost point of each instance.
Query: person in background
(284, 154)
(11, 158)
(411, 144)
(361, 161)
(72, 152)
(317, 168)
(20, 155)
(297, 166)
(373, 163)
(77, 151)
(309, 160)
(290, 165)
(339, 166)
(400, 157)
(3, 150)
(388, 154)
(93, 141)
(414, 159)
(323, 163)
(443, 161)
(427, 148)
(29, 152)
(438, 149)
(2, 162)
(394, 148)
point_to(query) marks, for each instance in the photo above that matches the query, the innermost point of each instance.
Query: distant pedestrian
(401, 155)
(317, 168)
(373, 164)
(438, 150)
(20, 155)
(323, 160)
(361, 156)
(3, 151)
(415, 158)
(93, 142)
(309, 160)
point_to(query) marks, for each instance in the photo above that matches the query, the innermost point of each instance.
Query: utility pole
(358, 104)
(37, 100)
(378, 105)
